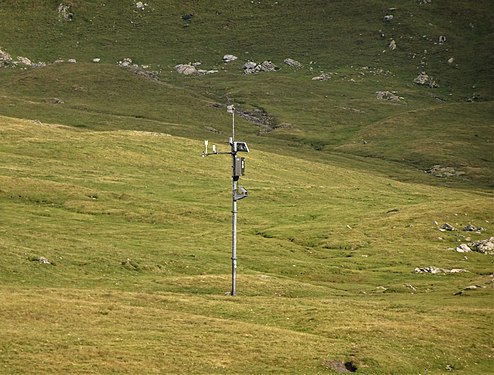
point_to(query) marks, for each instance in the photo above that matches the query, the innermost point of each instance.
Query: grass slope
(136, 226)
(348, 41)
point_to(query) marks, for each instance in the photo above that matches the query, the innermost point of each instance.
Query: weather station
(238, 192)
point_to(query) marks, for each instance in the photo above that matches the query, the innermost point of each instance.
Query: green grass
(110, 187)
(136, 226)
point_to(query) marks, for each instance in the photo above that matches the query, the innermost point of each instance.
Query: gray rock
(447, 227)
(473, 228)
(250, 67)
(127, 61)
(229, 58)
(388, 18)
(387, 95)
(186, 69)
(65, 12)
(41, 260)
(483, 246)
(463, 248)
(440, 171)
(266, 66)
(24, 61)
(321, 77)
(5, 58)
(436, 270)
(423, 79)
(291, 62)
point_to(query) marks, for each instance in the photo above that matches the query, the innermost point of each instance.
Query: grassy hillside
(115, 233)
(348, 41)
(136, 228)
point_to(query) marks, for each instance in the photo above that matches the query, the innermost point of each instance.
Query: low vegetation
(115, 233)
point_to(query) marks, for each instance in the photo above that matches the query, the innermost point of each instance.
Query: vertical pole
(234, 211)
(234, 240)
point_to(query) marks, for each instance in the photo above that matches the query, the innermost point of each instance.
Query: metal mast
(238, 192)
(231, 109)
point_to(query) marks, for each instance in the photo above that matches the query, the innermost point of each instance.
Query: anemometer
(238, 192)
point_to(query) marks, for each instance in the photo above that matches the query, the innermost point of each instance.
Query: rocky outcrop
(483, 246)
(437, 270)
(440, 171)
(291, 62)
(5, 58)
(388, 95)
(251, 67)
(423, 79)
(65, 12)
(321, 77)
(191, 69)
(229, 58)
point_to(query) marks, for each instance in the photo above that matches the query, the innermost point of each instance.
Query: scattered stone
(266, 66)
(140, 5)
(473, 228)
(96, 60)
(130, 265)
(392, 45)
(41, 260)
(125, 62)
(388, 95)
(72, 61)
(189, 69)
(321, 77)
(39, 64)
(250, 67)
(204, 71)
(470, 287)
(447, 227)
(439, 171)
(229, 58)
(442, 39)
(388, 18)
(24, 61)
(142, 71)
(451, 60)
(463, 248)
(483, 246)
(291, 62)
(257, 116)
(186, 69)
(5, 58)
(424, 79)
(65, 13)
(436, 270)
